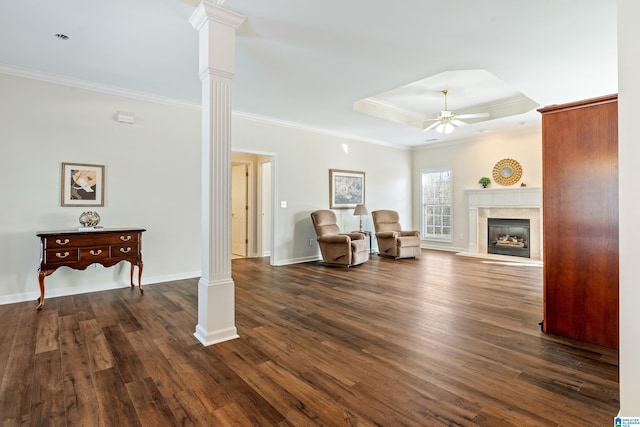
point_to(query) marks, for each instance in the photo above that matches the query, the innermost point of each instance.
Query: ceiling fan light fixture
(444, 127)
(447, 121)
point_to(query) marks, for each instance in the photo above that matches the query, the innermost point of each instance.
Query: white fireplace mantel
(521, 202)
(505, 197)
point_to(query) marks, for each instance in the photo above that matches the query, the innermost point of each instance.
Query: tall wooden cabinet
(580, 220)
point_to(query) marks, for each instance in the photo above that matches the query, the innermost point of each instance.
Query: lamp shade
(361, 210)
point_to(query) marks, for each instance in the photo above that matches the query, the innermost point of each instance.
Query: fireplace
(520, 202)
(507, 236)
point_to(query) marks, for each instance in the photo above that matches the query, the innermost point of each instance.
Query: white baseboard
(296, 260)
(502, 258)
(437, 247)
(61, 292)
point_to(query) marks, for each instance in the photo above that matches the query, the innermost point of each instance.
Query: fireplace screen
(508, 237)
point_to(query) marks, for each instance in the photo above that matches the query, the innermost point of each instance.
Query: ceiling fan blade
(459, 123)
(473, 115)
(431, 126)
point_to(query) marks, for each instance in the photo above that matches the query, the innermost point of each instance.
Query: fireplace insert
(508, 236)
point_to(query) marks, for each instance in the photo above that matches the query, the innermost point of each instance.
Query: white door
(239, 210)
(265, 208)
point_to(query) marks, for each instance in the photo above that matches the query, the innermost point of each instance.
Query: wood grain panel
(580, 199)
(17, 380)
(47, 394)
(80, 399)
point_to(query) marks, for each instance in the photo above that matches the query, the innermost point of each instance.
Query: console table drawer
(95, 253)
(97, 238)
(124, 251)
(61, 256)
(125, 238)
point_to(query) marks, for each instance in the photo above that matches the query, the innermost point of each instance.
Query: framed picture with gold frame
(82, 185)
(346, 189)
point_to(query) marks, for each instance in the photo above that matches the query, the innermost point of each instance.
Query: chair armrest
(335, 238)
(387, 234)
(354, 236)
(405, 233)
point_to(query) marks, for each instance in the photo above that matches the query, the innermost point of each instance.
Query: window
(436, 205)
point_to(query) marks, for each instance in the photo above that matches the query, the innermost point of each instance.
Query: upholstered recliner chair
(340, 249)
(392, 241)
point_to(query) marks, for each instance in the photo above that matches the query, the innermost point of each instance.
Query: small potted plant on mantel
(484, 181)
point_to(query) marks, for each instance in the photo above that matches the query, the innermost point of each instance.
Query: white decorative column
(216, 303)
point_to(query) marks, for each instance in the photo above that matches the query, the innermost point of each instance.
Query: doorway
(251, 205)
(239, 210)
(265, 208)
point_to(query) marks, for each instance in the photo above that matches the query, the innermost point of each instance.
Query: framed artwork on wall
(82, 185)
(346, 189)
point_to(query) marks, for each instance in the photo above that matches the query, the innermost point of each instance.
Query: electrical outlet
(461, 236)
(311, 242)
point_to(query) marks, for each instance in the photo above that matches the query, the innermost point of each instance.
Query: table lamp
(361, 210)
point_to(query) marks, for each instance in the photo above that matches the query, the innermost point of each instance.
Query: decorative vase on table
(89, 219)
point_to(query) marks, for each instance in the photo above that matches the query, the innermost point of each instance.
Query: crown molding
(113, 90)
(299, 126)
(96, 87)
(531, 129)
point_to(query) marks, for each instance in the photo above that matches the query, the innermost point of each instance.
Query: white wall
(469, 161)
(150, 181)
(629, 177)
(153, 181)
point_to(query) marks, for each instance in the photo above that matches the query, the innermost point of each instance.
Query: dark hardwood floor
(439, 341)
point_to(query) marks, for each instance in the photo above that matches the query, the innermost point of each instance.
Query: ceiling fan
(448, 120)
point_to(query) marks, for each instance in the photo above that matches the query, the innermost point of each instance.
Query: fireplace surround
(520, 203)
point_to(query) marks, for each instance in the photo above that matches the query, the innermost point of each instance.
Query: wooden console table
(80, 249)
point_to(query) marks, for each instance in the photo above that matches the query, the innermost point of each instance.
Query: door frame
(255, 231)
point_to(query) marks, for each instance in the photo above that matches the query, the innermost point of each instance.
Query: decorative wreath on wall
(507, 172)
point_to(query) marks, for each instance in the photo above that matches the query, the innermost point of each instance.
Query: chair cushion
(359, 246)
(324, 222)
(408, 241)
(335, 238)
(386, 220)
(386, 234)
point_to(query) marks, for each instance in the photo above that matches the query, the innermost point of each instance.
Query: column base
(215, 337)
(216, 311)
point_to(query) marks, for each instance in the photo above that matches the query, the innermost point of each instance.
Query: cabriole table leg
(139, 276)
(41, 276)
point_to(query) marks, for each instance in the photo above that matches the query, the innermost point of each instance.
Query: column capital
(216, 28)
(210, 12)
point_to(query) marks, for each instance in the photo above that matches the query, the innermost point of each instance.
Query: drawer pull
(61, 242)
(125, 250)
(60, 255)
(95, 253)
(125, 238)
